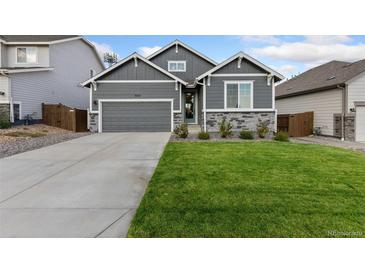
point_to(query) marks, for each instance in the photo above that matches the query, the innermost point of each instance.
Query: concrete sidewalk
(330, 141)
(86, 187)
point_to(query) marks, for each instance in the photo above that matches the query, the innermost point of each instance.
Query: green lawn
(254, 189)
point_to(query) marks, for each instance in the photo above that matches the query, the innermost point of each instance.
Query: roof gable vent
(331, 78)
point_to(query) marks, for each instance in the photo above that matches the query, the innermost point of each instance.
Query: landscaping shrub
(4, 124)
(182, 130)
(203, 135)
(281, 136)
(246, 134)
(225, 128)
(262, 129)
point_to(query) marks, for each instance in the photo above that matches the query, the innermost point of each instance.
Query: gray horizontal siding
(136, 116)
(137, 91)
(195, 65)
(262, 93)
(62, 85)
(128, 71)
(246, 67)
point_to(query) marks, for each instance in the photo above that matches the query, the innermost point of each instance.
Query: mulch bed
(214, 137)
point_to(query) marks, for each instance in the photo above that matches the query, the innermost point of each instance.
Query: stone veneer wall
(4, 112)
(241, 120)
(349, 126)
(93, 122)
(178, 119)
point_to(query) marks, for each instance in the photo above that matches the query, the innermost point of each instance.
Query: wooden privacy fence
(64, 117)
(297, 125)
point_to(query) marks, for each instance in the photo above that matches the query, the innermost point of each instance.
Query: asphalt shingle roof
(35, 38)
(319, 78)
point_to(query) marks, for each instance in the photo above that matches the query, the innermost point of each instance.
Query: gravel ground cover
(24, 138)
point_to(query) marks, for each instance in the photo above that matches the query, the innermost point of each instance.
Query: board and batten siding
(356, 91)
(324, 104)
(62, 85)
(262, 93)
(129, 71)
(136, 91)
(246, 67)
(195, 65)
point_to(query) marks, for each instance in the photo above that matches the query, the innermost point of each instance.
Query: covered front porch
(192, 102)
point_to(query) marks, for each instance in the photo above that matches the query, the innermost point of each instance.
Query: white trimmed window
(238, 94)
(177, 66)
(26, 55)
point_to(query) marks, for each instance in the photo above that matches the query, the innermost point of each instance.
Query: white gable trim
(121, 62)
(240, 55)
(177, 43)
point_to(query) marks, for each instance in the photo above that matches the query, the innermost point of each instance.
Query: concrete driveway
(86, 187)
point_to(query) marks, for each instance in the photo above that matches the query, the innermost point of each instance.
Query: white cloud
(262, 39)
(146, 51)
(327, 39)
(102, 48)
(286, 69)
(305, 52)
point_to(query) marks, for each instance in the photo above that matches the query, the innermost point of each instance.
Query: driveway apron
(86, 187)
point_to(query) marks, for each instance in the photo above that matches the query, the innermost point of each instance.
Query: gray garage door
(136, 116)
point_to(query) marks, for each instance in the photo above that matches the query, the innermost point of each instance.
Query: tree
(110, 58)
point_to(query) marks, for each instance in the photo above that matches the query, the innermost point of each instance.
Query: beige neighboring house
(335, 92)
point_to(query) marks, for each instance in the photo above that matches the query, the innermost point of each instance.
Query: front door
(190, 108)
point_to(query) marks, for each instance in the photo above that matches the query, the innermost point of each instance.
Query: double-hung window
(177, 66)
(26, 55)
(238, 94)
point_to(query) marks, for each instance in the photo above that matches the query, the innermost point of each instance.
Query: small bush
(262, 129)
(225, 128)
(182, 130)
(5, 124)
(203, 135)
(281, 136)
(245, 134)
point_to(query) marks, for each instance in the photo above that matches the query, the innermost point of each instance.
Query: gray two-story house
(179, 84)
(36, 69)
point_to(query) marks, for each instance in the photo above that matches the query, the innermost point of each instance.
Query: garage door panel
(136, 116)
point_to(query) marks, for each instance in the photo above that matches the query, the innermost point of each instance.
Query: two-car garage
(136, 115)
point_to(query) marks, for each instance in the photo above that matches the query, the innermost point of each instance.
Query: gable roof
(9, 39)
(177, 42)
(247, 57)
(47, 40)
(121, 62)
(326, 76)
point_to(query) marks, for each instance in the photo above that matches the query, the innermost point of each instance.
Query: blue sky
(289, 55)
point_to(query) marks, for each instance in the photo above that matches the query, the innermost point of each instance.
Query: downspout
(343, 114)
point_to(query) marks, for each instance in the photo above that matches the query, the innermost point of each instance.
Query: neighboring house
(178, 84)
(36, 69)
(332, 91)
